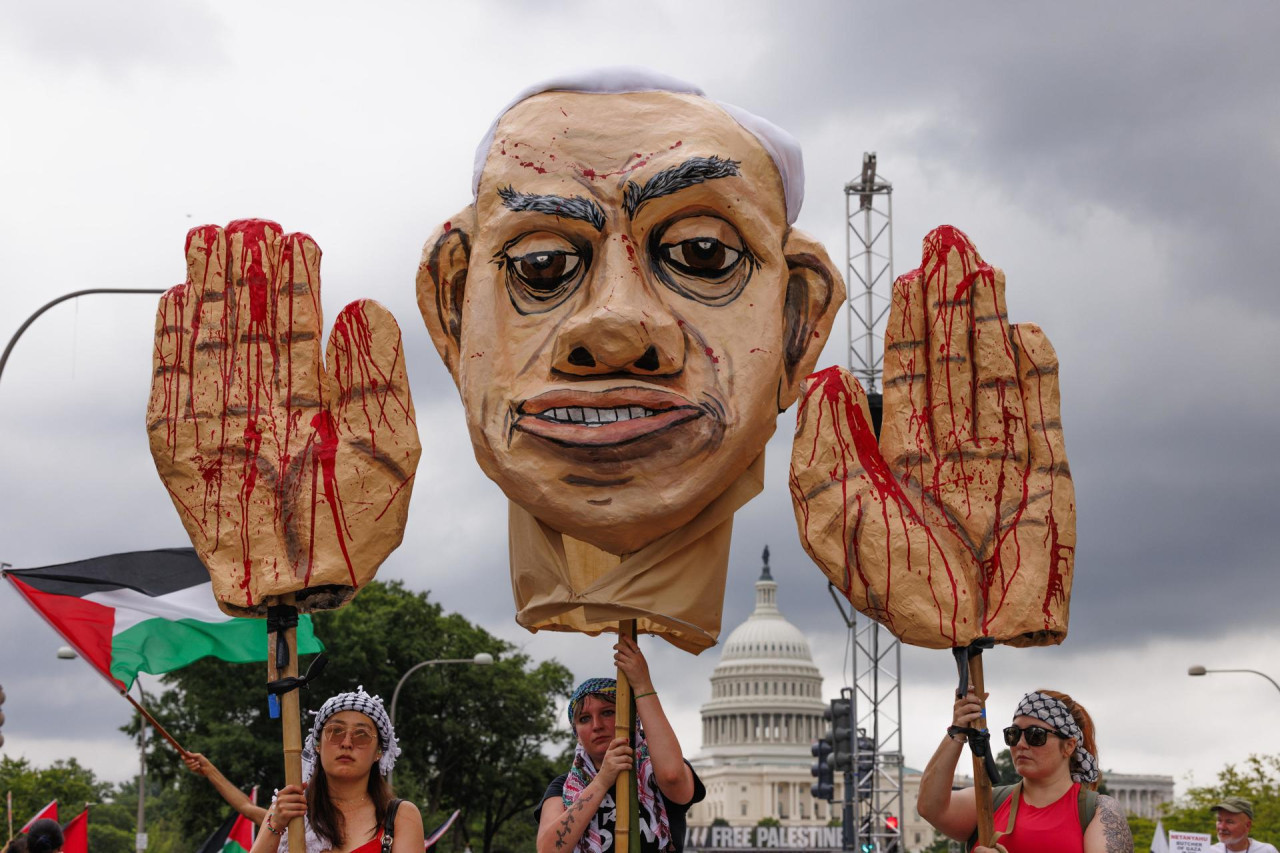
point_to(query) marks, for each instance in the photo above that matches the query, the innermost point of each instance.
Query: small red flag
(75, 835)
(50, 811)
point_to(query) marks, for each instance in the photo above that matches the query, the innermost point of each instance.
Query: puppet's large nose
(623, 325)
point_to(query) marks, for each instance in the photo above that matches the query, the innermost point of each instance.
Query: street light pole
(140, 839)
(481, 659)
(1200, 670)
(4, 359)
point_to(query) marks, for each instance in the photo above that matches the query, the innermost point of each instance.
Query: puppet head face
(625, 309)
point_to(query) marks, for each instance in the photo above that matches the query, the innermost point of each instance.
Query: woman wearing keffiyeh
(345, 800)
(1054, 807)
(578, 811)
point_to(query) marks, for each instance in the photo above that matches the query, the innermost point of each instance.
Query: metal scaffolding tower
(877, 654)
(877, 704)
(869, 262)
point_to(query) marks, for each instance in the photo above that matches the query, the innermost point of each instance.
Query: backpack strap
(999, 794)
(1088, 802)
(1016, 793)
(389, 825)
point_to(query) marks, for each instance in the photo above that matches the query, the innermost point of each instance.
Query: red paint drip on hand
(325, 448)
(828, 386)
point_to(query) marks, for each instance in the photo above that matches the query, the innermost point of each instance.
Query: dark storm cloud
(1159, 111)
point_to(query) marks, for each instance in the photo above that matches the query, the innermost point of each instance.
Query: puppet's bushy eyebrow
(574, 207)
(693, 171)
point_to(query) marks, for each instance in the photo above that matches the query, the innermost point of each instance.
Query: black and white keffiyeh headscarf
(1046, 709)
(371, 707)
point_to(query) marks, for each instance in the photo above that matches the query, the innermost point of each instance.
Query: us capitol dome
(765, 711)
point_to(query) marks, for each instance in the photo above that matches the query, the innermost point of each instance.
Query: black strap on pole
(280, 618)
(979, 739)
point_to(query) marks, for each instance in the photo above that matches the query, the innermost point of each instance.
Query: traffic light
(841, 715)
(825, 787)
(1, 715)
(865, 771)
(891, 844)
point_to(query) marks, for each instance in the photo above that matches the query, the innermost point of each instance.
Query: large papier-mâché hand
(291, 469)
(959, 523)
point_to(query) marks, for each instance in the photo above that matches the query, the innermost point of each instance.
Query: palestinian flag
(145, 611)
(234, 836)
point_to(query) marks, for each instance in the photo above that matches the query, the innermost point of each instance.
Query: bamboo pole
(290, 719)
(626, 830)
(981, 781)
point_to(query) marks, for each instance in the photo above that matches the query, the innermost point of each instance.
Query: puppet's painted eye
(543, 272)
(542, 268)
(704, 257)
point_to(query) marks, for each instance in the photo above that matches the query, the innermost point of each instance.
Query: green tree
(474, 738)
(112, 809)
(70, 784)
(1004, 764)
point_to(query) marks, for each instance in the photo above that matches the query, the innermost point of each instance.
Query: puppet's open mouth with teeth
(595, 417)
(602, 418)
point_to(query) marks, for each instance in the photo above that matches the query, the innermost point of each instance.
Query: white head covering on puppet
(371, 707)
(781, 146)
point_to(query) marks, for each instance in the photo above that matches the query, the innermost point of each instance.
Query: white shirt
(1254, 847)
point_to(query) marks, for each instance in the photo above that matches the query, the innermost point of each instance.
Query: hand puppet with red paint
(290, 468)
(959, 523)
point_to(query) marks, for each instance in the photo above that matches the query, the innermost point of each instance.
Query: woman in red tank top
(1052, 744)
(345, 798)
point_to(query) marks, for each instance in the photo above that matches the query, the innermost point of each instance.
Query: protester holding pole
(577, 808)
(1055, 807)
(344, 798)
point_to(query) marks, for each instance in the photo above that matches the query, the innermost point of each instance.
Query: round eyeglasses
(336, 733)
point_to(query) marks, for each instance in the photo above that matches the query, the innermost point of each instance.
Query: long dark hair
(326, 818)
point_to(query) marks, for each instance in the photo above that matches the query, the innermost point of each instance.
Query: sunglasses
(1036, 735)
(335, 734)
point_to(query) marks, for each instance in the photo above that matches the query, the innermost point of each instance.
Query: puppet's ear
(815, 294)
(442, 284)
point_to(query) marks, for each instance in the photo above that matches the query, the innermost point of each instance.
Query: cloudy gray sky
(1119, 161)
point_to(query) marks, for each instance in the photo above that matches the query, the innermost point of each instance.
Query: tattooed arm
(560, 828)
(1108, 832)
